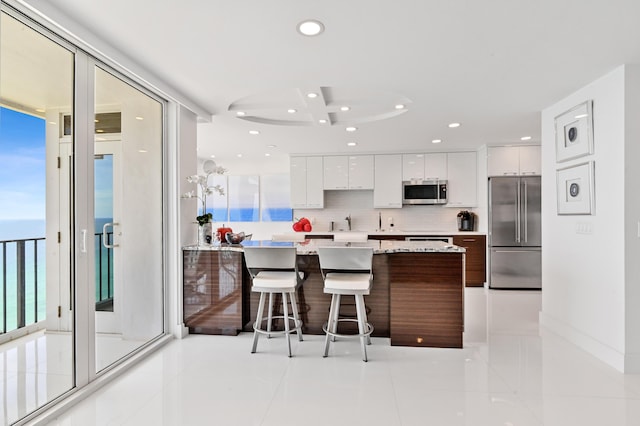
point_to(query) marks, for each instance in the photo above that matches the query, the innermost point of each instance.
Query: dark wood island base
(416, 298)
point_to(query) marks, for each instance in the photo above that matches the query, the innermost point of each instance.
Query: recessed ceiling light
(271, 146)
(212, 156)
(240, 113)
(312, 95)
(139, 118)
(254, 132)
(399, 106)
(292, 111)
(344, 108)
(525, 138)
(581, 115)
(239, 155)
(142, 150)
(436, 141)
(53, 122)
(322, 121)
(454, 125)
(99, 131)
(310, 27)
(40, 110)
(96, 121)
(351, 129)
(267, 155)
(351, 144)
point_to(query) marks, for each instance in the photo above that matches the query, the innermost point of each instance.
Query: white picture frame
(574, 132)
(575, 189)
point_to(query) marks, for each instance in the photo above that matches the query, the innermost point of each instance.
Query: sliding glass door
(81, 217)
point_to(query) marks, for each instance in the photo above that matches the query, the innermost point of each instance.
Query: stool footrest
(367, 333)
(296, 329)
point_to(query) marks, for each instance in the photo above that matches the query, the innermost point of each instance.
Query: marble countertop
(401, 232)
(310, 246)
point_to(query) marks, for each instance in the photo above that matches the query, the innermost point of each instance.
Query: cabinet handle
(469, 240)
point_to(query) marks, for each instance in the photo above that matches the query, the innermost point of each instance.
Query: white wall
(584, 275)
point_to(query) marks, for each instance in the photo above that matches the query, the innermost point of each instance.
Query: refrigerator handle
(517, 212)
(526, 218)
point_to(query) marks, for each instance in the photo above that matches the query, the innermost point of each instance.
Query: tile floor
(508, 374)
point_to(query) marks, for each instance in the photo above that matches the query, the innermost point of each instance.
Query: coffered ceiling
(490, 65)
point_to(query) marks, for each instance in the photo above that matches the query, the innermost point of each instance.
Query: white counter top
(310, 246)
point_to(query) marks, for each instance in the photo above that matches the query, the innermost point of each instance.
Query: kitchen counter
(416, 296)
(310, 246)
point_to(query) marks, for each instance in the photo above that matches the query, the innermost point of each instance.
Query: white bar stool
(274, 270)
(347, 271)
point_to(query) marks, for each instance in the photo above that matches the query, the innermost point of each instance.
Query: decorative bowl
(233, 238)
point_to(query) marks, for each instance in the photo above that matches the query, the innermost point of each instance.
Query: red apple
(306, 227)
(304, 220)
(297, 227)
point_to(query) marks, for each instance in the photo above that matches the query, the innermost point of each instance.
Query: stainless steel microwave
(424, 192)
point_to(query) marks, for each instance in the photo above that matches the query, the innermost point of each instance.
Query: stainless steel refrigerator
(515, 241)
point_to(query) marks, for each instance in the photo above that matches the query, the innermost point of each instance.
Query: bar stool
(347, 271)
(273, 271)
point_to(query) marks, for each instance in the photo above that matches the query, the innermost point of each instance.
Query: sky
(22, 166)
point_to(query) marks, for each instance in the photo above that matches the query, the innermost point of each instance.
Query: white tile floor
(507, 374)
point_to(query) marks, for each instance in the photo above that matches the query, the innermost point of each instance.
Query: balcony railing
(23, 275)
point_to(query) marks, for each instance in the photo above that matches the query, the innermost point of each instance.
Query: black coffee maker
(466, 221)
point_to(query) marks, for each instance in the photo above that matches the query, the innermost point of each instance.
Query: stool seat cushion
(275, 281)
(347, 283)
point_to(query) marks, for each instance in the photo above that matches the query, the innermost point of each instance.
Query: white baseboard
(603, 352)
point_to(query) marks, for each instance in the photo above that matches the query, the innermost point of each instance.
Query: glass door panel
(128, 218)
(36, 91)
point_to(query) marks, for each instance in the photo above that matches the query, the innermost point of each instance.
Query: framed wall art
(575, 189)
(574, 132)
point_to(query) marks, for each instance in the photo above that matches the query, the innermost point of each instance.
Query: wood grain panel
(212, 291)
(426, 298)
(476, 258)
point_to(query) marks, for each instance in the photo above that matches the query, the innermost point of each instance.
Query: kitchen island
(416, 297)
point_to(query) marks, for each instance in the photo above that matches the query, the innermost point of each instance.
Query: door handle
(517, 227)
(104, 235)
(83, 241)
(526, 218)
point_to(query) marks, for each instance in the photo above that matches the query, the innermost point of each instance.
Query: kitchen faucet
(348, 219)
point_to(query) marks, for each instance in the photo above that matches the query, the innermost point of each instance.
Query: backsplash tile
(359, 204)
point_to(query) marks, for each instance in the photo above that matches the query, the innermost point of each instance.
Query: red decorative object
(302, 225)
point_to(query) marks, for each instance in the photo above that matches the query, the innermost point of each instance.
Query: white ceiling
(491, 65)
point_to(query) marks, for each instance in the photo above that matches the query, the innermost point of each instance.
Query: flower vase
(204, 234)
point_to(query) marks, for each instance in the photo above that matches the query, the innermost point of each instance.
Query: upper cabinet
(514, 160)
(348, 172)
(462, 176)
(435, 166)
(307, 191)
(387, 188)
(424, 166)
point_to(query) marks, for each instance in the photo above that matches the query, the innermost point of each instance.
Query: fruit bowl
(233, 238)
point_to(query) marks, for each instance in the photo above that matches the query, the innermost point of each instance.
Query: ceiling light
(239, 155)
(436, 141)
(142, 150)
(581, 115)
(96, 121)
(351, 129)
(267, 155)
(322, 121)
(40, 110)
(212, 156)
(271, 146)
(310, 27)
(344, 108)
(399, 106)
(100, 131)
(53, 122)
(312, 95)
(351, 144)
(254, 132)
(525, 138)
(454, 125)
(292, 111)
(240, 113)
(139, 118)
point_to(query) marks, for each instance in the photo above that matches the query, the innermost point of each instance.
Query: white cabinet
(462, 177)
(435, 166)
(513, 160)
(348, 172)
(360, 172)
(412, 166)
(530, 160)
(336, 172)
(307, 191)
(387, 189)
